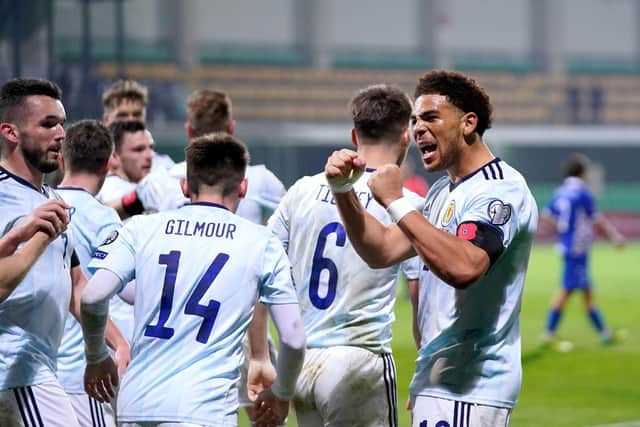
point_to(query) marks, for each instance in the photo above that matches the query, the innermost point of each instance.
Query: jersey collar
(23, 181)
(452, 186)
(213, 205)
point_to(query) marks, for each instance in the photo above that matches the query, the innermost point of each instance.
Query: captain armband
(484, 236)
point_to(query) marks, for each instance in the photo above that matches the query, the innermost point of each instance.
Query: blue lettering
(179, 231)
(230, 230)
(199, 228)
(169, 228)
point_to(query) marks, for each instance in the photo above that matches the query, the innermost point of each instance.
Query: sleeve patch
(99, 254)
(499, 212)
(485, 236)
(110, 238)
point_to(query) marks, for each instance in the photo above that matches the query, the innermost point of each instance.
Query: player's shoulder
(499, 176)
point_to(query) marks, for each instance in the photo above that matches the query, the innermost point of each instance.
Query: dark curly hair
(461, 91)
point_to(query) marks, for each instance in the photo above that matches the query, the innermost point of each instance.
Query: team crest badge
(499, 212)
(448, 214)
(110, 238)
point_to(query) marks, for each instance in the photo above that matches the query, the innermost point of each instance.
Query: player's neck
(87, 182)
(229, 202)
(472, 158)
(19, 167)
(381, 154)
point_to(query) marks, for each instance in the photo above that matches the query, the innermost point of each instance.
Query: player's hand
(50, 217)
(260, 376)
(123, 358)
(101, 380)
(159, 191)
(343, 168)
(386, 184)
(270, 411)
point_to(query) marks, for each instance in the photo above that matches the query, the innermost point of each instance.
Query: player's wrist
(96, 355)
(399, 208)
(132, 204)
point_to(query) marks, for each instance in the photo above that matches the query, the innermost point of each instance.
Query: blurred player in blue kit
(213, 265)
(349, 375)
(573, 215)
(474, 238)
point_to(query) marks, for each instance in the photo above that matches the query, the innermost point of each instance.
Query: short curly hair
(461, 91)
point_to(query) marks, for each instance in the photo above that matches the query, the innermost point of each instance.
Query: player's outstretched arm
(606, 227)
(101, 373)
(261, 373)
(379, 246)
(272, 405)
(13, 268)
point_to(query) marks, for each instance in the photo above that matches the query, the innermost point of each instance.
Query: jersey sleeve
(279, 222)
(411, 268)
(117, 253)
(497, 204)
(276, 283)
(271, 190)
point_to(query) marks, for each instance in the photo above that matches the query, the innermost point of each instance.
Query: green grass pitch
(590, 385)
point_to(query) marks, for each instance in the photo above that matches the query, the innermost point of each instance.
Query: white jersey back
(264, 191)
(91, 222)
(198, 271)
(343, 301)
(32, 318)
(470, 347)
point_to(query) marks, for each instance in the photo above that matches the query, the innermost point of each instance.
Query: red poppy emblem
(467, 231)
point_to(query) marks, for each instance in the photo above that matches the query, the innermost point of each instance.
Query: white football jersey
(199, 270)
(343, 300)
(91, 222)
(32, 318)
(114, 188)
(264, 191)
(470, 349)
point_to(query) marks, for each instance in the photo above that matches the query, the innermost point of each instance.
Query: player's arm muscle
(13, 268)
(456, 261)
(378, 245)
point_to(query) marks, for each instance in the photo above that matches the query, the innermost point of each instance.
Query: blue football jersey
(199, 270)
(32, 318)
(470, 348)
(343, 300)
(573, 207)
(91, 222)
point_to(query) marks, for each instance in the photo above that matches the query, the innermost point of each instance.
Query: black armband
(132, 204)
(484, 236)
(75, 261)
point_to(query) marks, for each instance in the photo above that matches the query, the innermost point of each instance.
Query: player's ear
(231, 127)
(469, 123)
(354, 137)
(61, 163)
(189, 129)
(184, 186)
(9, 132)
(242, 188)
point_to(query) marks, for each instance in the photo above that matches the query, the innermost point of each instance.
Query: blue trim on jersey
(61, 187)
(453, 186)
(369, 169)
(24, 182)
(210, 204)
